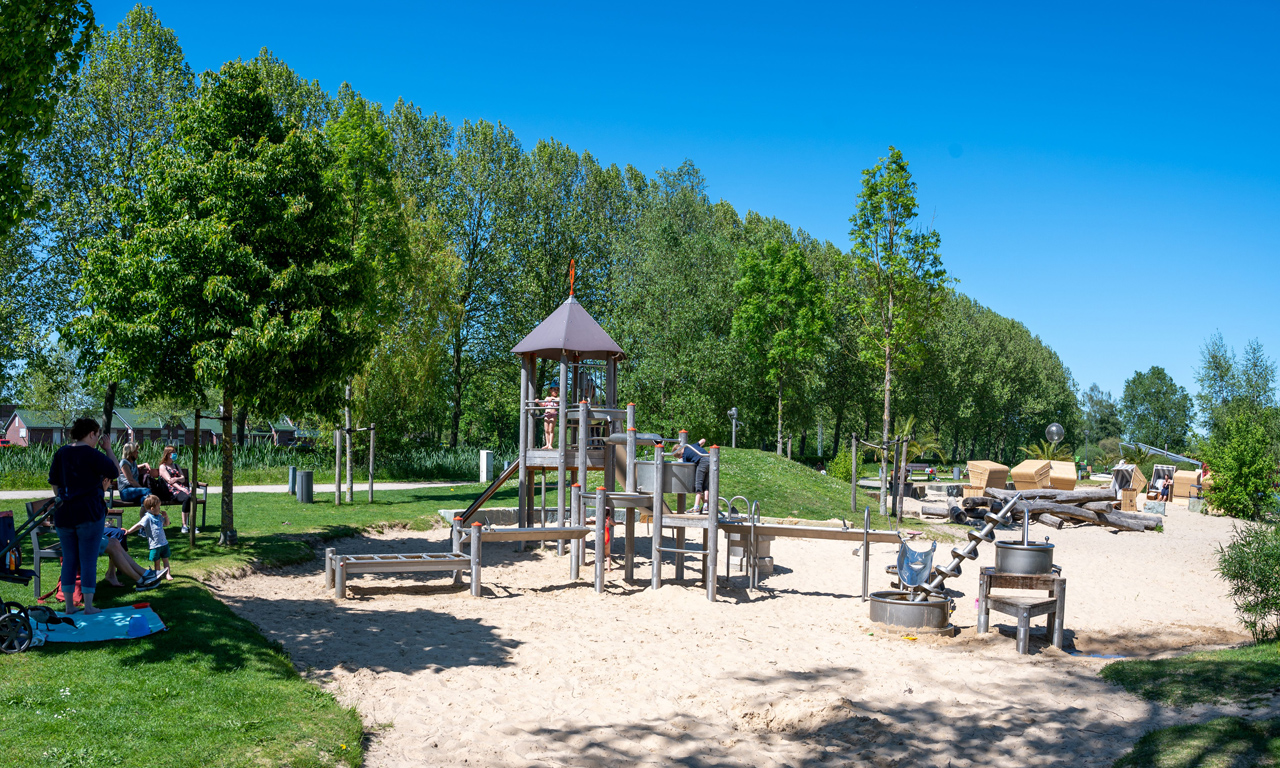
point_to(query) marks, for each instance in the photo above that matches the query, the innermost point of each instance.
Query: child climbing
(549, 416)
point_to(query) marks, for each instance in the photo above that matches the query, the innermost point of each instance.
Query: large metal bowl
(1024, 559)
(895, 608)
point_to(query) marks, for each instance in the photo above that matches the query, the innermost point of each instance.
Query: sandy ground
(544, 672)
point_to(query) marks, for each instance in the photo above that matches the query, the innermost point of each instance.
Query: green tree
(1230, 385)
(899, 274)
(480, 207)
(1243, 463)
(238, 277)
(1156, 410)
(53, 385)
(781, 319)
(41, 45)
(1101, 414)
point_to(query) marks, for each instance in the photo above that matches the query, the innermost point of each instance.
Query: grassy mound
(786, 488)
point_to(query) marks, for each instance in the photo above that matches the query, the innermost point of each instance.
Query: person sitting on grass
(133, 486)
(151, 521)
(76, 475)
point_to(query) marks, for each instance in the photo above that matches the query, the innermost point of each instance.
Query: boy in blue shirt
(701, 460)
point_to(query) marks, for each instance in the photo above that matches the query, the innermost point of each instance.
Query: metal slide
(506, 475)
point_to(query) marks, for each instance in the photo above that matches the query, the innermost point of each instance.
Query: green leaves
(41, 44)
(1156, 411)
(1243, 467)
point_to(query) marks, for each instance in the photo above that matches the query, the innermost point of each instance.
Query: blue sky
(1109, 175)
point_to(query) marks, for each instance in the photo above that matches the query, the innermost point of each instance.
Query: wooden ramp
(812, 532)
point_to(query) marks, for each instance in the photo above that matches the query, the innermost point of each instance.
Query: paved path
(213, 489)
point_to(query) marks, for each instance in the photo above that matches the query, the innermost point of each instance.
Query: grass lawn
(1233, 674)
(19, 481)
(789, 489)
(1223, 743)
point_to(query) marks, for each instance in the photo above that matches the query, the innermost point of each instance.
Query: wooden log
(1123, 521)
(1102, 506)
(974, 502)
(1078, 496)
(934, 510)
(1044, 518)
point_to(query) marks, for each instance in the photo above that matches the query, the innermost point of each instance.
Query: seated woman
(120, 561)
(133, 486)
(177, 484)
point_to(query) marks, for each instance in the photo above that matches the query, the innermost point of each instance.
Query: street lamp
(733, 419)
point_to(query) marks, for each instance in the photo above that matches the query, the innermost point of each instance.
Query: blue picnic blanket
(111, 624)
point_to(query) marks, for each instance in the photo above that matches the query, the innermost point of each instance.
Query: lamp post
(733, 420)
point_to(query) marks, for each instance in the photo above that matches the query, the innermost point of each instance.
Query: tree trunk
(779, 417)
(804, 440)
(457, 389)
(835, 437)
(242, 418)
(228, 536)
(109, 407)
(195, 481)
(884, 437)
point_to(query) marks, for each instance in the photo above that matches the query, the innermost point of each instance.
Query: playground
(543, 671)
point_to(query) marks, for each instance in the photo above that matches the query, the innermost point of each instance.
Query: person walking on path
(76, 475)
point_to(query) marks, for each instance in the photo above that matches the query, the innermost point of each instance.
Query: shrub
(1243, 469)
(1251, 565)
(841, 467)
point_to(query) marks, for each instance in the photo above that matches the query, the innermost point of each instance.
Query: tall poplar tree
(899, 275)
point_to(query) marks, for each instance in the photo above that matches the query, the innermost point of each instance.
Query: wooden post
(584, 432)
(339, 579)
(455, 536)
(602, 551)
(337, 467)
(371, 440)
(328, 567)
(713, 519)
(351, 482)
(659, 460)
(853, 480)
(629, 547)
(475, 559)
(195, 485)
(522, 504)
(575, 555)
(562, 456)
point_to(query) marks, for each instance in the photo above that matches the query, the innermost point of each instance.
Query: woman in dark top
(76, 475)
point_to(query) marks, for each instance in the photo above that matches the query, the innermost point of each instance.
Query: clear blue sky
(1108, 175)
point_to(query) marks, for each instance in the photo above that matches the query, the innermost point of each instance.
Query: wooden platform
(1024, 608)
(541, 459)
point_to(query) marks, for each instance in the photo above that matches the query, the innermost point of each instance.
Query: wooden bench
(1024, 608)
(53, 550)
(199, 498)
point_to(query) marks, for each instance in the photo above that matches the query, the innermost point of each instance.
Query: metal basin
(895, 608)
(1024, 559)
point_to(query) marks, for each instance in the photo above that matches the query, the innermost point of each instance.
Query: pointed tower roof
(569, 329)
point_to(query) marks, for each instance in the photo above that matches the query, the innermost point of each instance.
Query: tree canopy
(1156, 410)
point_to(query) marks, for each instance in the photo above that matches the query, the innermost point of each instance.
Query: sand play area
(541, 672)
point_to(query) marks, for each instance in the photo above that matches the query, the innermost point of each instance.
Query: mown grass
(1223, 743)
(1234, 674)
(211, 691)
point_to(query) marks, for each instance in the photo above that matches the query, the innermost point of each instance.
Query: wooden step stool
(1023, 607)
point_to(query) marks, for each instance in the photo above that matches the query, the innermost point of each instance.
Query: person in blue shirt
(76, 475)
(701, 460)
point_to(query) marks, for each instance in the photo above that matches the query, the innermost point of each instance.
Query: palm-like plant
(1047, 451)
(1137, 455)
(925, 445)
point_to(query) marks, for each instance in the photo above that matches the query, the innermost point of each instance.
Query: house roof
(569, 329)
(137, 419)
(33, 419)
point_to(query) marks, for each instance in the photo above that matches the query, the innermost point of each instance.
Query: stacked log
(1055, 508)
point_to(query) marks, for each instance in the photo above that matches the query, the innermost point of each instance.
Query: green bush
(1243, 466)
(1251, 565)
(841, 467)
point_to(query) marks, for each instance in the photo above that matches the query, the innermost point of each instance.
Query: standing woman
(76, 475)
(179, 488)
